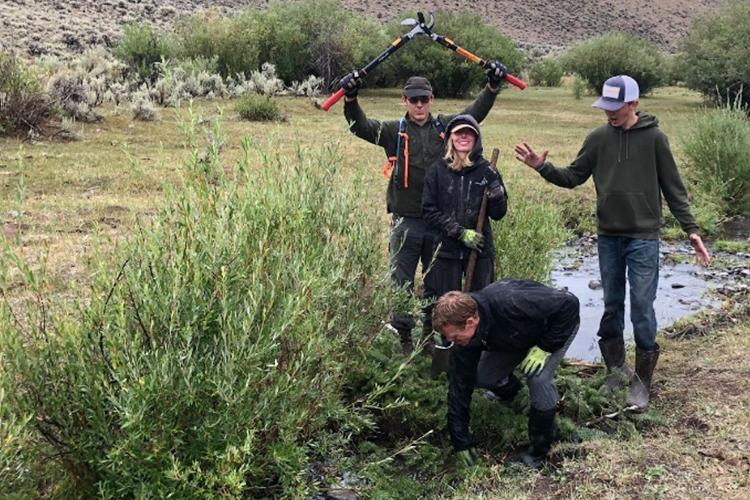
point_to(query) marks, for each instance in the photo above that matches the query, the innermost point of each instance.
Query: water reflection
(682, 292)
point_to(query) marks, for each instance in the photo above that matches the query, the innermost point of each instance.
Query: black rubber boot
(618, 373)
(407, 346)
(541, 434)
(640, 387)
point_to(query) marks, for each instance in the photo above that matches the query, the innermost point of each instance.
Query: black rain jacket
(516, 315)
(451, 200)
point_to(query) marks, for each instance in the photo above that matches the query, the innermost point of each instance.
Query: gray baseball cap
(417, 86)
(616, 92)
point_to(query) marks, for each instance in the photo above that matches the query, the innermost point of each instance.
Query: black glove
(496, 73)
(495, 188)
(351, 84)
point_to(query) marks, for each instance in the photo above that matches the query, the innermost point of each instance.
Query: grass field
(695, 442)
(113, 176)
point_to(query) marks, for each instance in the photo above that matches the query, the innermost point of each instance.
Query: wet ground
(685, 288)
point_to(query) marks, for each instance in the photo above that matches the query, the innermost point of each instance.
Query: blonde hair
(454, 161)
(453, 308)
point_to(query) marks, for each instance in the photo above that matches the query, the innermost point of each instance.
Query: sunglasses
(424, 99)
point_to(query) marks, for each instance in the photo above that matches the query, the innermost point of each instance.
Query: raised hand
(526, 155)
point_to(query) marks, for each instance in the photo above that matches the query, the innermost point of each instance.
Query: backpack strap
(392, 167)
(439, 127)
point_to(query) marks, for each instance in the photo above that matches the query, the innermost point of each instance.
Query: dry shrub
(143, 109)
(24, 106)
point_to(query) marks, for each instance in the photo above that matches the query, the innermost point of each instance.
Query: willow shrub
(597, 59)
(452, 75)
(717, 150)
(209, 360)
(142, 48)
(713, 58)
(298, 38)
(546, 72)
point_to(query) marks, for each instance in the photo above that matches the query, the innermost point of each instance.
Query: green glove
(472, 239)
(468, 458)
(534, 361)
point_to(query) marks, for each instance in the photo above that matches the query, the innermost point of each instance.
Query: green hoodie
(632, 169)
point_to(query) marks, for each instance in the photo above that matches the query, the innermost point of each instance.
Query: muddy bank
(685, 288)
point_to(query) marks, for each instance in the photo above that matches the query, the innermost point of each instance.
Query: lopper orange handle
(515, 81)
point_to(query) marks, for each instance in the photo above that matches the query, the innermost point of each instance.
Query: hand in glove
(467, 458)
(351, 84)
(496, 73)
(533, 363)
(495, 188)
(472, 239)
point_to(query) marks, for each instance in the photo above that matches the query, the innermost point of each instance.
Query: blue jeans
(641, 260)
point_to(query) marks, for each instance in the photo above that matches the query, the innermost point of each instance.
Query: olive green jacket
(425, 147)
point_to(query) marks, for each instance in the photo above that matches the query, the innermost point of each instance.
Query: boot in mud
(640, 387)
(541, 434)
(407, 346)
(618, 373)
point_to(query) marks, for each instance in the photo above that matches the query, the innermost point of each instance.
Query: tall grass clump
(604, 56)
(141, 48)
(209, 358)
(713, 58)
(717, 150)
(525, 238)
(258, 108)
(450, 74)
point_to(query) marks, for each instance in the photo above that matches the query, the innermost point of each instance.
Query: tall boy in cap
(412, 145)
(632, 166)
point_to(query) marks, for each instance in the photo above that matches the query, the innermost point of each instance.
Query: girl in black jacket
(451, 201)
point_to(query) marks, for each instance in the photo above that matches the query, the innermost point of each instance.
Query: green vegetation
(450, 74)
(714, 56)
(324, 39)
(546, 72)
(732, 246)
(24, 107)
(597, 59)
(212, 356)
(328, 41)
(142, 49)
(259, 108)
(718, 151)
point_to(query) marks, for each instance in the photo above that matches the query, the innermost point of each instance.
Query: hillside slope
(37, 27)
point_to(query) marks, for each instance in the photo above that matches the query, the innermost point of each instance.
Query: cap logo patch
(610, 92)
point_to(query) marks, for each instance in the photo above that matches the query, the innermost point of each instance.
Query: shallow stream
(685, 288)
